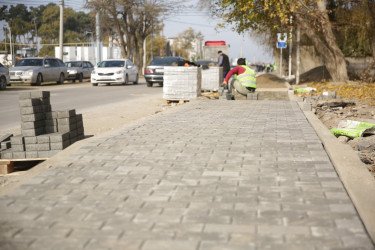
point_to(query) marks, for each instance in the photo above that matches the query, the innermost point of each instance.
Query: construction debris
(342, 102)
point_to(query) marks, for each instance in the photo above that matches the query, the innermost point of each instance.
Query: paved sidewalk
(207, 175)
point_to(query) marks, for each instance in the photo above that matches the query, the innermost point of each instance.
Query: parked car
(79, 70)
(4, 77)
(115, 71)
(154, 72)
(35, 70)
(205, 63)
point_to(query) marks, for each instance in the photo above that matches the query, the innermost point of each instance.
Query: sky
(199, 20)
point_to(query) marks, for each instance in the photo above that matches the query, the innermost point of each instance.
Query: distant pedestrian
(223, 61)
(268, 67)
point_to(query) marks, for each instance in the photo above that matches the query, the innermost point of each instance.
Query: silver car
(35, 70)
(79, 70)
(4, 76)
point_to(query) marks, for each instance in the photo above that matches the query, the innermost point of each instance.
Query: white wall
(77, 53)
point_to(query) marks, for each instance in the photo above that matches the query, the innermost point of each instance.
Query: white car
(4, 76)
(114, 71)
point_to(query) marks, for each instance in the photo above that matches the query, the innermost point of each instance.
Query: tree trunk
(121, 36)
(325, 44)
(371, 26)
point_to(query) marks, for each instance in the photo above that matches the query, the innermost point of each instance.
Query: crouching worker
(244, 81)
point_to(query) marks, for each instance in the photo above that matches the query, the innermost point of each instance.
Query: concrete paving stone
(19, 155)
(29, 102)
(58, 243)
(30, 140)
(229, 228)
(17, 140)
(209, 245)
(59, 137)
(43, 147)
(50, 129)
(31, 110)
(342, 237)
(283, 230)
(66, 113)
(66, 128)
(33, 117)
(42, 139)
(174, 244)
(18, 148)
(67, 121)
(21, 243)
(39, 94)
(51, 115)
(47, 107)
(170, 175)
(24, 95)
(31, 154)
(50, 122)
(343, 208)
(59, 145)
(317, 243)
(32, 125)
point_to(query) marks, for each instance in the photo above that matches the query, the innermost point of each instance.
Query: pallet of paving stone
(7, 166)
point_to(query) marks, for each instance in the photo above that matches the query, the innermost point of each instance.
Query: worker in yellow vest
(244, 81)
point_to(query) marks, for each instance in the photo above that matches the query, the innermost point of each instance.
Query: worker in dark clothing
(223, 62)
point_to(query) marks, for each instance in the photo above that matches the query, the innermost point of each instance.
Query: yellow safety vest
(247, 78)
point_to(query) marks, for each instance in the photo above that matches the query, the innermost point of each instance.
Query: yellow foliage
(360, 91)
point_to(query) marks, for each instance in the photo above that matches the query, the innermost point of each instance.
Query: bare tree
(134, 21)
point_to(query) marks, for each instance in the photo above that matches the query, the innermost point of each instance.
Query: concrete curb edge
(358, 182)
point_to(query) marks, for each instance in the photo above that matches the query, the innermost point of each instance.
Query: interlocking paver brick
(206, 175)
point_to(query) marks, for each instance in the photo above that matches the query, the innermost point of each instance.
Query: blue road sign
(281, 45)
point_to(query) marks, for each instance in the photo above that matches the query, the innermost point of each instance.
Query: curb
(358, 182)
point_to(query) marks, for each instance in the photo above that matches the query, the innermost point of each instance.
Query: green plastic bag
(353, 129)
(304, 90)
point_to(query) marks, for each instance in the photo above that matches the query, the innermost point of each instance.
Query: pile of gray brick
(44, 132)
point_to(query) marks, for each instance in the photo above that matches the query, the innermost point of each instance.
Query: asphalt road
(80, 96)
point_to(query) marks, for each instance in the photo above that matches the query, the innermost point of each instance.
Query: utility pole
(5, 34)
(36, 34)
(10, 45)
(98, 47)
(144, 45)
(61, 28)
(281, 62)
(298, 55)
(290, 47)
(152, 39)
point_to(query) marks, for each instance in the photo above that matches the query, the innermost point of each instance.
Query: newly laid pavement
(207, 175)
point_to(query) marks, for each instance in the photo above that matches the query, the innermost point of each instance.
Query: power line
(196, 24)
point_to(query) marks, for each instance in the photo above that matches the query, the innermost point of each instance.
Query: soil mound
(318, 74)
(270, 81)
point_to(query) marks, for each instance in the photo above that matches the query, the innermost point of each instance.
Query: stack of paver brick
(43, 132)
(181, 83)
(212, 78)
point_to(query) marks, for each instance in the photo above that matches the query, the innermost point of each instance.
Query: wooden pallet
(8, 166)
(170, 101)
